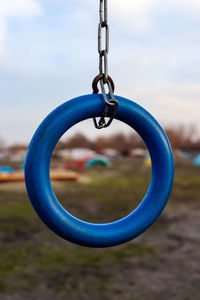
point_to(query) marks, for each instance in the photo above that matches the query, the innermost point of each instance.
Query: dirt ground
(163, 263)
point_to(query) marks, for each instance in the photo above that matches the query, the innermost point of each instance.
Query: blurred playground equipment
(187, 155)
(138, 152)
(6, 177)
(6, 170)
(88, 162)
(147, 161)
(99, 160)
(196, 161)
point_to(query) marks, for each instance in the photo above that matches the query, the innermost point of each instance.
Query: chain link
(103, 11)
(103, 77)
(103, 43)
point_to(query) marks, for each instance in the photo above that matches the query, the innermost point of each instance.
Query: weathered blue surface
(38, 180)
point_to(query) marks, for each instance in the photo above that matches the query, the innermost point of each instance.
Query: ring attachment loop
(111, 102)
(102, 122)
(96, 81)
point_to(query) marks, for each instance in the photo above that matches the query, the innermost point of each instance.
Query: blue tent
(196, 161)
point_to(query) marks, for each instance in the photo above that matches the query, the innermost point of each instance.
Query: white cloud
(139, 9)
(189, 4)
(2, 35)
(177, 110)
(139, 16)
(135, 15)
(11, 8)
(172, 104)
(25, 8)
(158, 71)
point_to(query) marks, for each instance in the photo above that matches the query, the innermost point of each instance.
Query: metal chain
(103, 53)
(103, 76)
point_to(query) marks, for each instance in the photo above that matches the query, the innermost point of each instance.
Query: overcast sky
(48, 55)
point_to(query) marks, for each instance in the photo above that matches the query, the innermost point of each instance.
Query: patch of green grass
(104, 199)
(186, 188)
(24, 210)
(18, 220)
(45, 258)
(25, 264)
(16, 227)
(101, 289)
(109, 194)
(2, 286)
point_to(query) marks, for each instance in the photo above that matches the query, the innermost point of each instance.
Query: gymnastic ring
(38, 182)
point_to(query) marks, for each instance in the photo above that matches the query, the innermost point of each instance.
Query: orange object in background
(55, 176)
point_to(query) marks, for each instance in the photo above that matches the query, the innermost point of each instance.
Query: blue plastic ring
(39, 185)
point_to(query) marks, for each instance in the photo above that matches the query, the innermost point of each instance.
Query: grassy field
(163, 263)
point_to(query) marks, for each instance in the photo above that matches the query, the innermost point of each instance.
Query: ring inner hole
(113, 168)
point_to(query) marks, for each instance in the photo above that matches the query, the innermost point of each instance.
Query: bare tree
(2, 144)
(119, 142)
(181, 137)
(78, 141)
(135, 141)
(184, 138)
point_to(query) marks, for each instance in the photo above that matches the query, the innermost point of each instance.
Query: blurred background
(48, 55)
